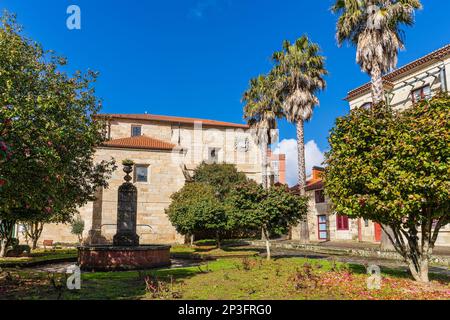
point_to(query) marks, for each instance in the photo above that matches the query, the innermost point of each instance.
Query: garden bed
(40, 257)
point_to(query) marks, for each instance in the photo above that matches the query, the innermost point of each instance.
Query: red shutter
(341, 222)
(345, 222)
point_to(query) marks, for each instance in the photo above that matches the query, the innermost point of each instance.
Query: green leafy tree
(299, 76)
(77, 226)
(48, 123)
(393, 168)
(222, 177)
(272, 210)
(196, 207)
(374, 27)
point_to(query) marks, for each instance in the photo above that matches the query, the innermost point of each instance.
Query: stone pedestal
(127, 214)
(125, 254)
(109, 258)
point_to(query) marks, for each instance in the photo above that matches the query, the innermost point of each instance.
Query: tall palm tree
(373, 26)
(299, 75)
(261, 112)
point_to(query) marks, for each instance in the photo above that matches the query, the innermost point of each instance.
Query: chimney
(282, 168)
(317, 173)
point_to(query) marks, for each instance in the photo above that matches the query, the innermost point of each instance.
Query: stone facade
(402, 85)
(193, 142)
(420, 79)
(325, 225)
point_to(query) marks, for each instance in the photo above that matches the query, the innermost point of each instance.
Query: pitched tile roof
(310, 185)
(170, 119)
(140, 142)
(387, 79)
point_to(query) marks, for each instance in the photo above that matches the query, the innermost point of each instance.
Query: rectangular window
(341, 222)
(323, 227)
(213, 155)
(136, 131)
(366, 223)
(141, 173)
(320, 196)
(421, 94)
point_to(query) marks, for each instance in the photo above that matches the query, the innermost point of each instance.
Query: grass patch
(246, 278)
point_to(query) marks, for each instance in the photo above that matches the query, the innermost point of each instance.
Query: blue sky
(194, 58)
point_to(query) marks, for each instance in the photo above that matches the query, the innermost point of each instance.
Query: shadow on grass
(400, 272)
(127, 285)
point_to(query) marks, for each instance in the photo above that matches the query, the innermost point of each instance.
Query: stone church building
(165, 151)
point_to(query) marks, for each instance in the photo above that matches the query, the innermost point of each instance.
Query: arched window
(367, 105)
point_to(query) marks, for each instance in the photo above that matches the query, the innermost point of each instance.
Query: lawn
(248, 278)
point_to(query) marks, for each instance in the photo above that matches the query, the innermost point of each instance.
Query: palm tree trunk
(304, 232)
(377, 85)
(264, 180)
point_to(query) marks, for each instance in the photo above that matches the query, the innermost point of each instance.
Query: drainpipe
(443, 79)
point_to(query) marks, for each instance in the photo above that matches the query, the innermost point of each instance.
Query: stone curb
(368, 253)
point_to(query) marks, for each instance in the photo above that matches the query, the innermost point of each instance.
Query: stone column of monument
(95, 236)
(126, 235)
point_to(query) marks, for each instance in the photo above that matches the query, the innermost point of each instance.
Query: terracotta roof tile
(170, 119)
(310, 185)
(140, 142)
(387, 79)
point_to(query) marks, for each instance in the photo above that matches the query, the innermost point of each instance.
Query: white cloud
(313, 157)
(202, 6)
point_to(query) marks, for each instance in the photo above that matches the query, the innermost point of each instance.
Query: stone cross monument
(126, 235)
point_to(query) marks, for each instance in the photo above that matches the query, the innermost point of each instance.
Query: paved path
(62, 267)
(391, 264)
(444, 251)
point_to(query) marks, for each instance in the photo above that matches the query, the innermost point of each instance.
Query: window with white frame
(421, 93)
(141, 173)
(213, 155)
(319, 196)
(136, 131)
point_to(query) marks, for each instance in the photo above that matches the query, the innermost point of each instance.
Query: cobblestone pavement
(438, 250)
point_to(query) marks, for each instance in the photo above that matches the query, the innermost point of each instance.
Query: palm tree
(261, 112)
(373, 26)
(299, 75)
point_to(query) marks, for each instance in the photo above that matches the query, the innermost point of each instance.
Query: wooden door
(377, 232)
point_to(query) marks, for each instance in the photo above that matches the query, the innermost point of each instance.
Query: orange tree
(393, 168)
(195, 208)
(48, 127)
(271, 210)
